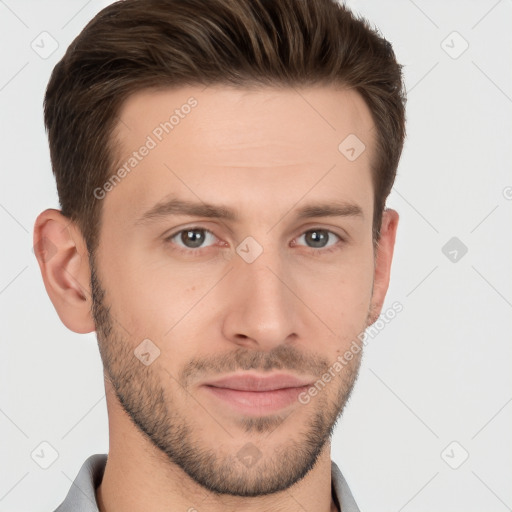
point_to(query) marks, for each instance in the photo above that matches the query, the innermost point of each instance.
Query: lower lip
(257, 403)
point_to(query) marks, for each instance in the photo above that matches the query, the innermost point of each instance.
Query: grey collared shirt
(82, 494)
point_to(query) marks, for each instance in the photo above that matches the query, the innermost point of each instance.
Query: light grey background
(438, 373)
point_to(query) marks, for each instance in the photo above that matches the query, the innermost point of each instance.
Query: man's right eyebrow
(175, 206)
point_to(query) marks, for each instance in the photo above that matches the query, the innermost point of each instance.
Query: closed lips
(259, 384)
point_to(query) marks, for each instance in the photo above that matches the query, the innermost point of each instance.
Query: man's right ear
(63, 258)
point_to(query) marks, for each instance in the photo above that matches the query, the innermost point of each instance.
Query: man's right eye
(192, 238)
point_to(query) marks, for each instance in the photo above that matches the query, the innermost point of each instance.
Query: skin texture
(297, 307)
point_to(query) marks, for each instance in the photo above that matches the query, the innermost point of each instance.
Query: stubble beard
(146, 394)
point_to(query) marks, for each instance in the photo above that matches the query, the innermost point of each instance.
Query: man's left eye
(319, 238)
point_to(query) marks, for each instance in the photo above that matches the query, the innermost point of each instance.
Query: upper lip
(251, 382)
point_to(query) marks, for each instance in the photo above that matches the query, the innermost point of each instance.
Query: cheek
(342, 302)
(149, 296)
(340, 294)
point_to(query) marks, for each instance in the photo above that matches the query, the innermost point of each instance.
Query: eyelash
(199, 251)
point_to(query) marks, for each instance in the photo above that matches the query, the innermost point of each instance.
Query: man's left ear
(63, 259)
(383, 258)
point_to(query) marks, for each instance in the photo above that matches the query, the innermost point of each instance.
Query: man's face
(264, 292)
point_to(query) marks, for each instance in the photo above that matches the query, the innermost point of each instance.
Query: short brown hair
(133, 45)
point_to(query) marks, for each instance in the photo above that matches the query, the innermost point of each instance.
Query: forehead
(227, 119)
(223, 142)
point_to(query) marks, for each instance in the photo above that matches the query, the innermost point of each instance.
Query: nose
(262, 311)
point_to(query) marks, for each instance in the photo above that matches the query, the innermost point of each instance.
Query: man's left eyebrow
(336, 209)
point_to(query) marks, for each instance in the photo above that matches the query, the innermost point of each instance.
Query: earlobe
(64, 262)
(383, 259)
